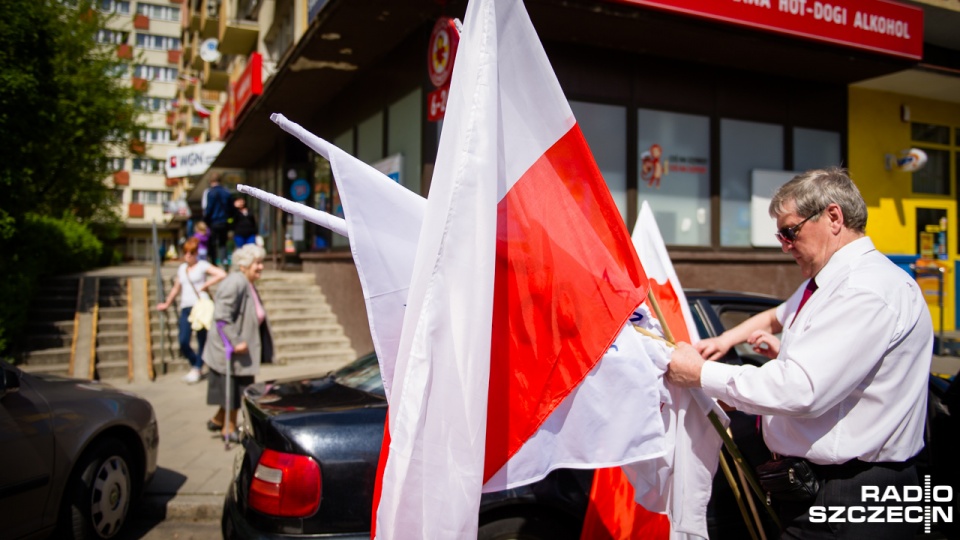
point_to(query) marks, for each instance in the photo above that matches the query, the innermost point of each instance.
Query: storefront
(699, 108)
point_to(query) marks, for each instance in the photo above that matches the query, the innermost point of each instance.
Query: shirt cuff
(715, 378)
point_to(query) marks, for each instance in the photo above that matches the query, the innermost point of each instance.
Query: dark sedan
(310, 451)
(75, 455)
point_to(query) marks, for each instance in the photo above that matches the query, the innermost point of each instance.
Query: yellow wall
(876, 129)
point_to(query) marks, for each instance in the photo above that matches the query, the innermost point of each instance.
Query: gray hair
(246, 255)
(814, 190)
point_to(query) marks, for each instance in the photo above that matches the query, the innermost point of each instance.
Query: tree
(63, 113)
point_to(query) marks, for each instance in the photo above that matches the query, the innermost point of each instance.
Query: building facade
(701, 109)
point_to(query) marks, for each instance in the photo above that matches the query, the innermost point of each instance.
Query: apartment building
(149, 34)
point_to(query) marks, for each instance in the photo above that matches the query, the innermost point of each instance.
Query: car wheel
(100, 492)
(525, 528)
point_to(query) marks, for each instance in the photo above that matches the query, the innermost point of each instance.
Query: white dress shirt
(851, 378)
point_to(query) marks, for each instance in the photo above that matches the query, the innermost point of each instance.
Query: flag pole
(738, 496)
(728, 442)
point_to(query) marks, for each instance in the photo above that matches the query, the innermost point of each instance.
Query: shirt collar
(842, 259)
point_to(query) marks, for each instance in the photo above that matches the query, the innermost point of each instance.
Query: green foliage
(63, 113)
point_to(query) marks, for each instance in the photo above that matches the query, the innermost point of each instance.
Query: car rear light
(286, 485)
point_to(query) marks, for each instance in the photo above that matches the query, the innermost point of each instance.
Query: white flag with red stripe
(524, 276)
(679, 484)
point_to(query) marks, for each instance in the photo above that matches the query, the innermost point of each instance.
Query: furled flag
(524, 275)
(679, 484)
(201, 111)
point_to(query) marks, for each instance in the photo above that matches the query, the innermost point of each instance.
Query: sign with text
(875, 25)
(249, 84)
(192, 160)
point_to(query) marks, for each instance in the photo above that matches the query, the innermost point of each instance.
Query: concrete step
(113, 369)
(112, 313)
(291, 296)
(112, 338)
(61, 369)
(56, 299)
(45, 314)
(48, 341)
(48, 356)
(174, 365)
(311, 344)
(333, 358)
(50, 327)
(112, 353)
(112, 325)
(112, 301)
(293, 330)
(284, 318)
(304, 307)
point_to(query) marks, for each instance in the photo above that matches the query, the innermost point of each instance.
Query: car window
(362, 374)
(733, 314)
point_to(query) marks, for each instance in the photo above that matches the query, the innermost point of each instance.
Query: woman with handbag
(244, 332)
(194, 279)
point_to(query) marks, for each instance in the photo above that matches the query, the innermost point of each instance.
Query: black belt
(856, 466)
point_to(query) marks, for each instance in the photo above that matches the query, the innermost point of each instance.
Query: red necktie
(807, 293)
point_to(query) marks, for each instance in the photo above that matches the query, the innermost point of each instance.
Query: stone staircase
(113, 329)
(49, 330)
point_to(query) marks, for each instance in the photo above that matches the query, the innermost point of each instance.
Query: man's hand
(713, 348)
(241, 348)
(765, 343)
(685, 366)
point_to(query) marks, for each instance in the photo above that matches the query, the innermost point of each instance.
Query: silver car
(74, 455)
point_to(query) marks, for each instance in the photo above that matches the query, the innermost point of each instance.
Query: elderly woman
(239, 310)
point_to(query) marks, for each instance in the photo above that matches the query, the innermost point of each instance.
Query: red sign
(880, 26)
(248, 85)
(226, 117)
(442, 50)
(437, 104)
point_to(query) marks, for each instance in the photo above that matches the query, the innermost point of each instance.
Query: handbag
(201, 314)
(788, 479)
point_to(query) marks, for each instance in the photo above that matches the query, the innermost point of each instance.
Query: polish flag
(201, 111)
(524, 276)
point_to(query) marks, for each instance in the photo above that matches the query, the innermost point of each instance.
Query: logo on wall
(440, 55)
(652, 165)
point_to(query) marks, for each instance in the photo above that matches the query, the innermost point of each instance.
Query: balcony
(238, 32)
(197, 126)
(195, 61)
(173, 182)
(209, 23)
(125, 51)
(215, 79)
(138, 147)
(173, 56)
(192, 21)
(139, 84)
(135, 210)
(121, 178)
(141, 22)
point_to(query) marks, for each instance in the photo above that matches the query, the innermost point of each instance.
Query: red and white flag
(679, 484)
(201, 111)
(523, 278)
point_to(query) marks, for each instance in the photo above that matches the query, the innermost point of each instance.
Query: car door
(26, 454)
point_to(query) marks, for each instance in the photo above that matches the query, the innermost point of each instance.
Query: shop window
(744, 147)
(403, 138)
(370, 139)
(345, 142)
(815, 149)
(930, 133)
(605, 129)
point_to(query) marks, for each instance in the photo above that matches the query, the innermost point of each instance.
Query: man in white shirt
(847, 390)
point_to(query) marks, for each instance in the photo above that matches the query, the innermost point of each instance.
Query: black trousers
(217, 245)
(842, 490)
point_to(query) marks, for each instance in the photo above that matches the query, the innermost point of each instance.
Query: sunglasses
(789, 234)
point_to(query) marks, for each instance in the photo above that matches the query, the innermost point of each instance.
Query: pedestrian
(847, 390)
(194, 279)
(217, 214)
(202, 234)
(244, 225)
(240, 312)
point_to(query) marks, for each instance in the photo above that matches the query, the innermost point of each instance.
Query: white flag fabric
(680, 483)
(524, 277)
(383, 222)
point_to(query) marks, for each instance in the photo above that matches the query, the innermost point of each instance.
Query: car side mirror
(9, 381)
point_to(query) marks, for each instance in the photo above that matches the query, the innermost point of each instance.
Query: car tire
(100, 493)
(525, 528)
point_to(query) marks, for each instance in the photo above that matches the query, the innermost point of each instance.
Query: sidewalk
(194, 469)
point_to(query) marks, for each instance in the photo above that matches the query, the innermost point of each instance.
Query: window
(370, 139)
(116, 163)
(744, 146)
(155, 135)
(147, 165)
(156, 73)
(674, 169)
(150, 197)
(158, 43)
(114, 6)
(112, 37)
(117, 196)
(815, 149)
(403, 137)
(604, 128)
(934, 140)
(155, 104)
(162, 13)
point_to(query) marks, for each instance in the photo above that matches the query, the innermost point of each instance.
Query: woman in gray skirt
(244, 321)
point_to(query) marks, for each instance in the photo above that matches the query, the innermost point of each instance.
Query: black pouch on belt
(788, 479)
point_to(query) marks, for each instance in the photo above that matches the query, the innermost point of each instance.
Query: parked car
(320, 438)
(75, 453)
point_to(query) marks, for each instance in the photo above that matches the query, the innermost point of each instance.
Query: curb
(174, 507)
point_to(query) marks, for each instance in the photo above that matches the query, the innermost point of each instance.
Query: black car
(310, 451)
(75, 455)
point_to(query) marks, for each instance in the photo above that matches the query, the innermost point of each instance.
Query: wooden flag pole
(728, 442)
